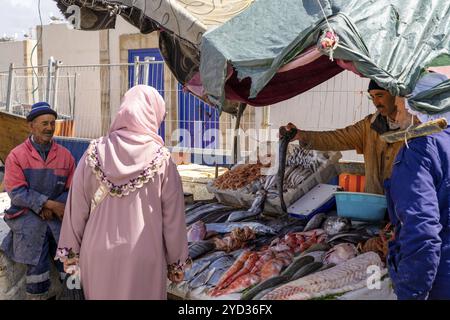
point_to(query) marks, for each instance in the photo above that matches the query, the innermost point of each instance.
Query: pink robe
(126, 243)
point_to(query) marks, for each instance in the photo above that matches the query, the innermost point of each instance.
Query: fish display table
(240, 254)
(196, 177)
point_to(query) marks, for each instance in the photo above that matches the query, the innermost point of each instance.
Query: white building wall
(11, 52)
(122, 27)
(74, 47)
(18, 53)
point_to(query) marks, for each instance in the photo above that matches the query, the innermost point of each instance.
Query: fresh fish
(201, 206)
(285, 138)
(291, 229)
(271, 268)
(199, 248)
(243, 282)
(200, 279)
(296, 265)
(219, 267)
(349, 275)
(192, 206)
(257, 227)
(326, 266)
(315, 222)
(262, 241)
(235, 254)
(201, 264)
(305, 270)
(334, 225)
(340, 253)
(196, 232)
(262, 286)
(318, 256)
(316, 247)
(354, 237)
(261, 294)
(217, 217)
(256, 208)
(203, 211)
(279, 223)
(240, 215)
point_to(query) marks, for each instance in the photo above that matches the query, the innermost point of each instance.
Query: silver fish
(334, 225)
(217, 217)
(256, 208)
(219, 267)
(192, 206)
(317, 255)
(354, 237)
(203, 211)
(199, 248)
(200, 279)
(315, 222)
(257, 227)
(201, 264)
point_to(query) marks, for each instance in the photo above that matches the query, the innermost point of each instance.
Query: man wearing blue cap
(38, 174)
(364, 137)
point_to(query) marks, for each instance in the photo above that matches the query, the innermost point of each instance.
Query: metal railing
(90, 96)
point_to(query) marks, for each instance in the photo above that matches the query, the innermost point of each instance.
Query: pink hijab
(133, 140)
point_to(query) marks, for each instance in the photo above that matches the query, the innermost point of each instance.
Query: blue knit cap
(40, 108)
(374, 86)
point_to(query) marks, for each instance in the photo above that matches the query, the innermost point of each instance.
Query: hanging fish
(285, 138)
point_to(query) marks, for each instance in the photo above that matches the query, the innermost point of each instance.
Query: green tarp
(390, 41)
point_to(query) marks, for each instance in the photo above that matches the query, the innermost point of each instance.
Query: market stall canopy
(278, 49)
(181, 23)
(262, 51)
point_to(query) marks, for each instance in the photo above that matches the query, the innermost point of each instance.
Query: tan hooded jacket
(378, 154)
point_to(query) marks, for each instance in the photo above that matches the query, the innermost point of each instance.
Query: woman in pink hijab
(124, 215)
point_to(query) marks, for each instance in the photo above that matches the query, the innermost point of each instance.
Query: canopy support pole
(240, 112)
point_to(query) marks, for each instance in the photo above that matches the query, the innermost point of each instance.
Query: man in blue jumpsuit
(38, 174)
(418, 195)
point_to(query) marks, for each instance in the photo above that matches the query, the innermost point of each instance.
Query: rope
(330, 39)
(407, 130)
(34, 48)
(325, 16)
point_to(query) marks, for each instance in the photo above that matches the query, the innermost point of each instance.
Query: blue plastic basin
(361, 206)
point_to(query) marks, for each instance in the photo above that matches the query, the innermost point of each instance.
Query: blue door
(194, 115)
(198, 118)
(156, 73)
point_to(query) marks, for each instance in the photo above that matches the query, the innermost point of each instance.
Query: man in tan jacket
(364, 137)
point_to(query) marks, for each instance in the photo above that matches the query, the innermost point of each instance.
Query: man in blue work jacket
(38, 174)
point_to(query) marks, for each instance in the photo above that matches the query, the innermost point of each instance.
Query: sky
(18, 16)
